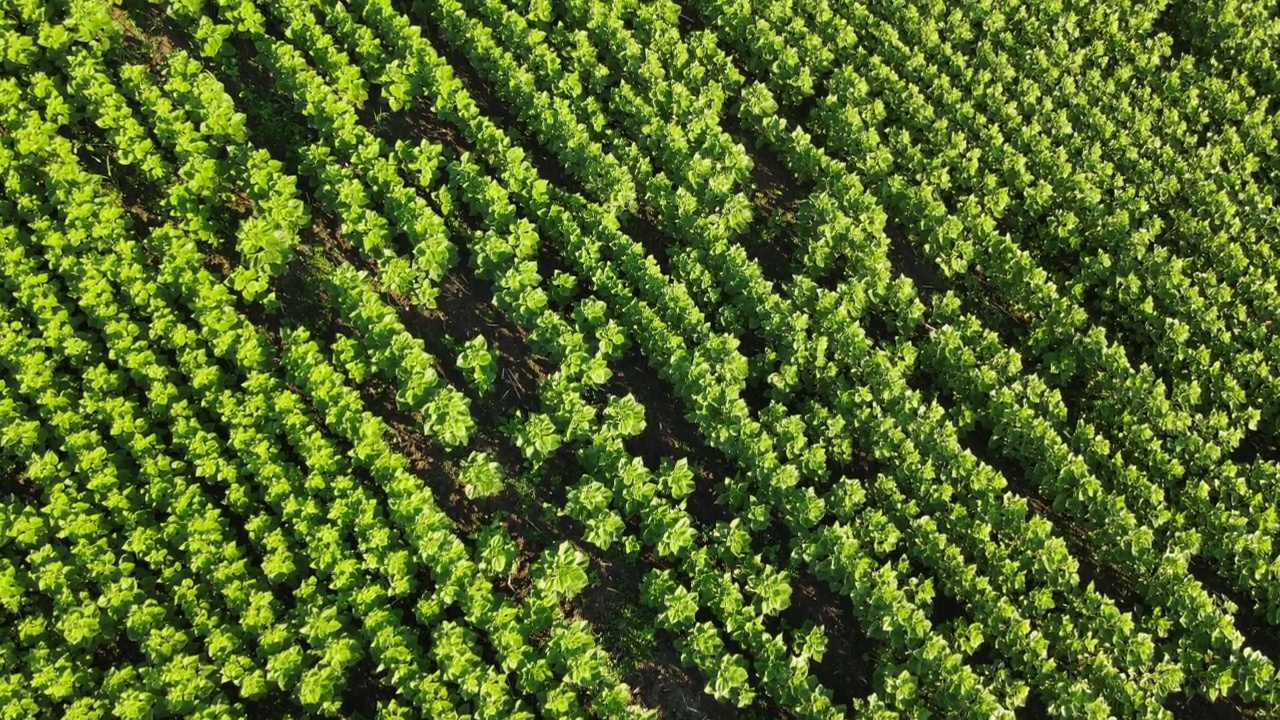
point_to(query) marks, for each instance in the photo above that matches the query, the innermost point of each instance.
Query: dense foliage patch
(531, 359)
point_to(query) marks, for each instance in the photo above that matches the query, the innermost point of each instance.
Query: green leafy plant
(537, 437)
(481, 476)
(479, 363)
(562, 572)
(496, 551)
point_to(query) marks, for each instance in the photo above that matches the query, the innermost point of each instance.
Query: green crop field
(639, 359)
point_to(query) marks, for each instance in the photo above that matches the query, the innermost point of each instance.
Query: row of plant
(385, 343)
(613, 413)
(768, 309)
(668, 352)
(1218, 385)
(1206, 219)
(1201, 175)
(373, 318)
(298, 477)
(150, 520)
(216, 325)
(986, 60)
(769, 121)
(1191, 460)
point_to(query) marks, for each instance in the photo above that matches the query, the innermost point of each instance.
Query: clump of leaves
(496, 551)
(477, 360)
(480, 475)
(561, 573)
(536, 436)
